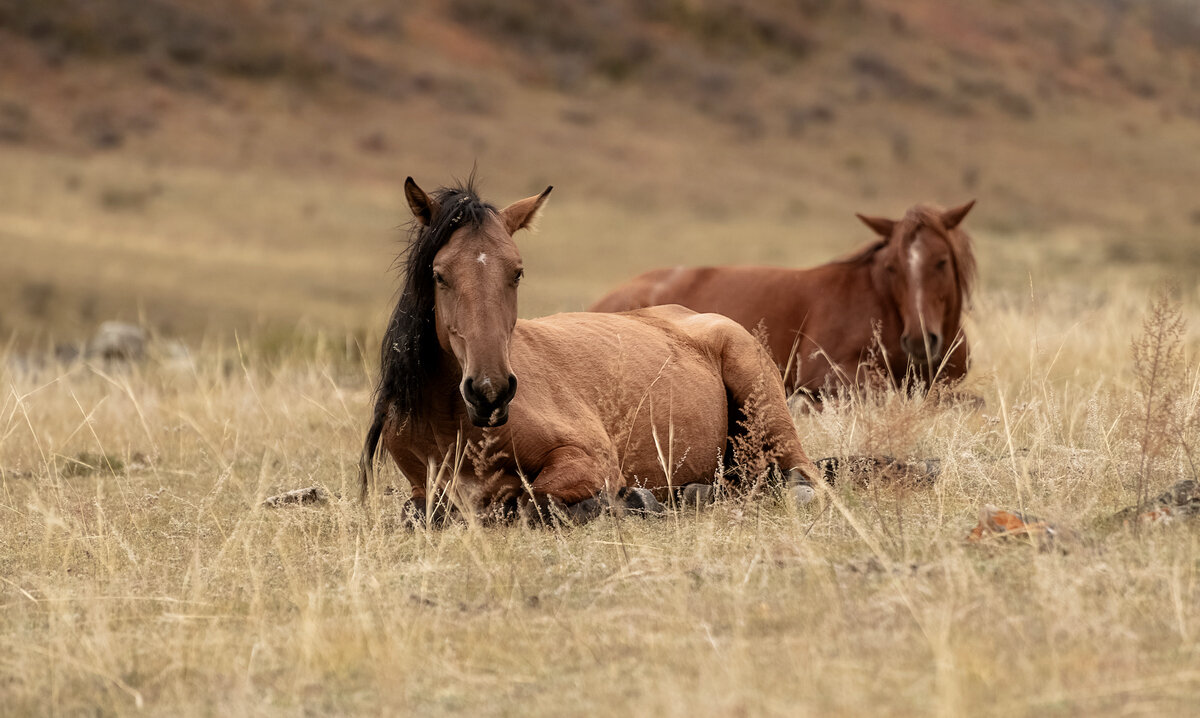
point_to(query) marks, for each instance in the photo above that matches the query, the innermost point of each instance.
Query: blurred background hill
(215, 166)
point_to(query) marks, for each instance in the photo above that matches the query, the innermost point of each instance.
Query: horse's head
(474, 275)
(926, 266)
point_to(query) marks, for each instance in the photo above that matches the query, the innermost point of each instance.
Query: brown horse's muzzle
(487, 401)
(929, 349)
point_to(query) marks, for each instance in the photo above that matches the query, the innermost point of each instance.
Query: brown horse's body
(595, 391)
(641, 399)
(821, 322)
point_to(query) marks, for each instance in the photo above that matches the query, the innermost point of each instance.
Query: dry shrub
(1163, 403)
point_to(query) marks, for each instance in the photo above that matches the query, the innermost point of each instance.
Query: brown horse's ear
(882, 227)
(952, 217)
(524, 212)
(422, 206)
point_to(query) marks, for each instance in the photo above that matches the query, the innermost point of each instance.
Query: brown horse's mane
(409, 351)
(923, 215)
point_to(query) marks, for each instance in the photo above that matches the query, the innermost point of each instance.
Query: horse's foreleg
(571, 474)
(582, 484)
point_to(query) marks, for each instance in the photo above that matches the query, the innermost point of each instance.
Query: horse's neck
(851, 282)
(442, 406)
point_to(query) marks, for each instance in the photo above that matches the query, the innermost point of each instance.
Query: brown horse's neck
(876, 278)
(443, 400)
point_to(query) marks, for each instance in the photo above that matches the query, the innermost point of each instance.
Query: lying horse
(910, 286)
(609, 405)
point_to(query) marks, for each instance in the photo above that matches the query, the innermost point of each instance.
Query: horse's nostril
(471, 394)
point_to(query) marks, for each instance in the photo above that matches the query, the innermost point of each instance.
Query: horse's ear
(422, 206)
(524, 212)
(882, 227)
(952, 217)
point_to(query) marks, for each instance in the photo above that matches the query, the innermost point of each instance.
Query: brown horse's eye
(517, 277)
(941, 264)
(891, 268)
(439, 279)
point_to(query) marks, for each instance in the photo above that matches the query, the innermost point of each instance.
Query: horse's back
(641, 291)
(639, 336)
(700, 288)
(641, 375)
(742, 293)
(664, 344)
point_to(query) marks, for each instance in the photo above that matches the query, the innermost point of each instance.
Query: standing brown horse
(910, 285)
(620, 404)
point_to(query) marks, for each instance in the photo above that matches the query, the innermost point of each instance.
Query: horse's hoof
(412, 515)
(540, 510)
(584, 511)
(640, 500)
(694, 495)
(799, 487)
(802, 493)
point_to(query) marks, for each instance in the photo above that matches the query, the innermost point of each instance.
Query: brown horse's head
(926, 266)
(458, 307)
(475, 274)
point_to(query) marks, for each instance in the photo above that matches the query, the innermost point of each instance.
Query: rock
(311, 495)
(1181, 501)
(863, 470)
(118, 340)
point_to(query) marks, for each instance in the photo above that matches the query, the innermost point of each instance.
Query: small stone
(311, 495)
(119, 341)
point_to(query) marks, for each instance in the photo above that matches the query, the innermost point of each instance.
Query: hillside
(218, 166)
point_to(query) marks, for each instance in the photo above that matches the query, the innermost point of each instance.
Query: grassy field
(229, 173)
(141, 575)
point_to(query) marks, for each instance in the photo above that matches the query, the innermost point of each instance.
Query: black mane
(409, 352)
(410, 347)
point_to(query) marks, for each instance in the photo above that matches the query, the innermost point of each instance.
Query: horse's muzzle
(488, 408)
(928, 350)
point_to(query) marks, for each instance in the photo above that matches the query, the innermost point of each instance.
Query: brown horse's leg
(754, 384)
(571, 474)
(583, 484)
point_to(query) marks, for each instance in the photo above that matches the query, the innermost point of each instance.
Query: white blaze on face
(915, 258)
(482, 258)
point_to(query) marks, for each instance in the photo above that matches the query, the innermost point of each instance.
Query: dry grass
(139, 572)
(245, 190)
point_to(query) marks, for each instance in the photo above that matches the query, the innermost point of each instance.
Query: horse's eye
(891, 268)
(437, 277)
(941, 264)
(517, 277)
